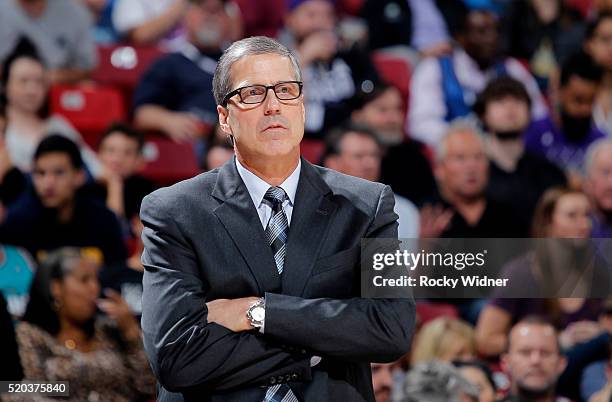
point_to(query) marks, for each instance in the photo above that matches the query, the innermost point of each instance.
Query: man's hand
(434, 220)
(319, 46)
(181, 126)
(231, 313)
(118, 310)
(579, 332)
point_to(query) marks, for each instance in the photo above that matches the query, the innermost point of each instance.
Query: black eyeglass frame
(267, 87)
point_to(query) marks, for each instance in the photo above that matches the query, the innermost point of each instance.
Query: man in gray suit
(252, 270)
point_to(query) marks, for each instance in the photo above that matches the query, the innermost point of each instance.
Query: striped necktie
(276, 235)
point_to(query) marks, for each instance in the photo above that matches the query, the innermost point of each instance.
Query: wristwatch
(257, 313)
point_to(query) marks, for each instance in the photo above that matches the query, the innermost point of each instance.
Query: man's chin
(382, 396)
(50, 203)
(535, 391)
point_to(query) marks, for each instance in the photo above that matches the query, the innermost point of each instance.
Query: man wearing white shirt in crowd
(446, 87)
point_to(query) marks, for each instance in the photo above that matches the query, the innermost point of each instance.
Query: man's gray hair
(459, 125)
(592, 152)
(436, 381)
(256, 45)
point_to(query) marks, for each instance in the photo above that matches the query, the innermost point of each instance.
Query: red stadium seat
(123, 65)
(89, 108)
(430, 311)
(168, 161)
(312, 150)
(395, 69)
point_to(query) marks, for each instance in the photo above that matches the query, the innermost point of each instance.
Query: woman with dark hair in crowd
(479, 375)
(561, 213)
(62, 339)
(25, 86)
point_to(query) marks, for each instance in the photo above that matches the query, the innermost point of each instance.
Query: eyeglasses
(253, 94)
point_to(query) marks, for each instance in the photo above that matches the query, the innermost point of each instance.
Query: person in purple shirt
(564, 137)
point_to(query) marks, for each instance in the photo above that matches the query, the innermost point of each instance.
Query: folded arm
(185, 350)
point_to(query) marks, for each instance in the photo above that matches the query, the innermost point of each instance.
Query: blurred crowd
(488, 119)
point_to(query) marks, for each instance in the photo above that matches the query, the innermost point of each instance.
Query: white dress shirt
(257, 188)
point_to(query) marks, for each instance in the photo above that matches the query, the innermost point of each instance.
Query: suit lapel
(239, 217)
(312, 213)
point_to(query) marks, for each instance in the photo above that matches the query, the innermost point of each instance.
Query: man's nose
(271, 103)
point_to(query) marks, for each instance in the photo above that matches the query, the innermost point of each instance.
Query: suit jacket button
(303, 351)
(272, 381)
(288, 377)
(279, 379)
(294, 376)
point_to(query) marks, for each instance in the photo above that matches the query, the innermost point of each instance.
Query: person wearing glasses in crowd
(251, 283)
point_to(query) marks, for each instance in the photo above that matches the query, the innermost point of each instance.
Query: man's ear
(562, 364)
(331, 162)
(223, 117)
(55, 287)
(504, 362)
(81, 177)
(438, 171)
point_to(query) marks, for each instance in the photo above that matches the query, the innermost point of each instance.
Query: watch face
(258, 313)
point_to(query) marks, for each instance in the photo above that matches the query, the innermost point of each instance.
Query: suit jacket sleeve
(358, 329)
(185, 351)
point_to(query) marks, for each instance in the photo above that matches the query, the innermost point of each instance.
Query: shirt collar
(257, 187)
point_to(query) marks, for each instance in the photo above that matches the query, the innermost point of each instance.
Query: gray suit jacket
(203, 241)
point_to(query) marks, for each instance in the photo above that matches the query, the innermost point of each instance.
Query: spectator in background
(25, 83)
(62, 339)
(437, 382)
(262, 17)
(445, 339)
(175, 95)
(332, 74)
(121, 187)
(53, 215)
(161, 22)
(598, 186)
(61, 31)
(445, 88)
(598, 45)
(101, 12)
(461, 170)
(533, 360)
(356, 151)
(404, 165)
(542, 33)
(516, 178)
(382, 381)
(151, 22)
(564, 214)
(564, 137)
(10, 369)
(479, 375)
(424, 25)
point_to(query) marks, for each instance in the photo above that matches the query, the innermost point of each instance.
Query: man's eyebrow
(248, 84)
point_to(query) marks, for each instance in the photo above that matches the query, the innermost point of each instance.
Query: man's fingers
(113, 295)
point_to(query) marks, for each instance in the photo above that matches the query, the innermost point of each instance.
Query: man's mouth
(275, 126)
